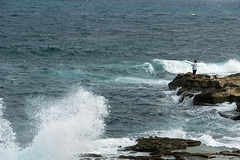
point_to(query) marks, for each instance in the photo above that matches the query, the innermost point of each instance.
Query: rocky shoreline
(178, 149)
(209, 90)
(205, 90)
(160, 148)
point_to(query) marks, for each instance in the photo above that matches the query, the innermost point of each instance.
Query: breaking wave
(221, 68)
(68, 127)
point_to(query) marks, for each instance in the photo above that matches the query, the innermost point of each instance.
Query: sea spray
(48, 45)
(7, 137)
(111, 146)
(68, 126)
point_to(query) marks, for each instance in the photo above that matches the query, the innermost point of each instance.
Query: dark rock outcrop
(162, 148)
(211, 90)
(161, 145)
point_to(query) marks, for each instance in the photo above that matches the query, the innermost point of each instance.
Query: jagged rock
(212, 90)
(206, 90)
(162, 148)
(91, 155)
(161, 145)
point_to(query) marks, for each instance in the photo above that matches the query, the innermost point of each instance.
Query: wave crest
(222, 68)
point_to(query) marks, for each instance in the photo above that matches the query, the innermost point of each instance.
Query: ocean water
(89, 76)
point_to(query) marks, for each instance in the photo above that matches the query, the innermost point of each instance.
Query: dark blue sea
(88, 76)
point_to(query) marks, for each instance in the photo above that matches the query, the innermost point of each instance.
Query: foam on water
(226, 107)
(148, 68)
(142, 80)
(226, 141)
(202, 123)
(187, 101)
(208, 140)
(222, 69)
(213, 136)
(173, 66)
(174, 133)
(68, 127)
(110, 146)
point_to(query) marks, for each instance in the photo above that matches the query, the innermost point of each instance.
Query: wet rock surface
(163, 145)
(175, 149)
(207, 90)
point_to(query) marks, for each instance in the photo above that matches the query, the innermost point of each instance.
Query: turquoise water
(89, 76)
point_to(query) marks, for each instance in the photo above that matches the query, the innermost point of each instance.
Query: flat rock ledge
(175, 149)
(207, 90)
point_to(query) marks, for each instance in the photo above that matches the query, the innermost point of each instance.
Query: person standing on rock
(194, 68)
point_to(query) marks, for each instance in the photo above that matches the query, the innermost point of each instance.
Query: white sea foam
(208, 140)
(187, 101)
(171, 96)
(222, 69)
(226, 107)
(147, 67)
(173, 66)
(230, 142)
(69, 127)
(110, 146)
(142, 80)
(226, 141)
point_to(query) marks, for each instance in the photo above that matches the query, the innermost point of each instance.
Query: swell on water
(74, 124)
(157, 71)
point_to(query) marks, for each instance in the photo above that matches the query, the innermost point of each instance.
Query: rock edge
(162, 148)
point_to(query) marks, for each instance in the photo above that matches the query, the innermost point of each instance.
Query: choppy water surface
(88, 76)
